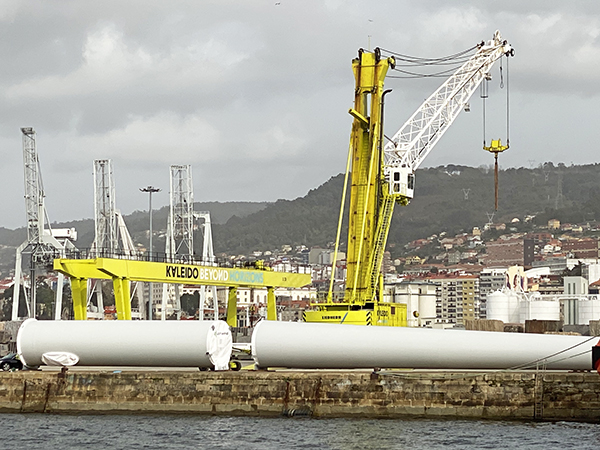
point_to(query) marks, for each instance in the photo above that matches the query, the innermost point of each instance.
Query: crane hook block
(495, 146)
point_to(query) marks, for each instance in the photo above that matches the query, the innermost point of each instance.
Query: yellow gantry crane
(122, 271)
(382, 176)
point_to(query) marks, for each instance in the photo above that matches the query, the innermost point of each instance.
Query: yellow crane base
(371, 313)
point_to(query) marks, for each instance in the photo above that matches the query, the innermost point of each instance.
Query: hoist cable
(415, 58)
(483, 98)
(444, 73)
(454, 61)
(501, 75)
(507, 105)
(446, 62)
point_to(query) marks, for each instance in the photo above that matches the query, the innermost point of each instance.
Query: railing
(92, 253)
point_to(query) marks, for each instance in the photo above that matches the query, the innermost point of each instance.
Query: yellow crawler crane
(383, 176)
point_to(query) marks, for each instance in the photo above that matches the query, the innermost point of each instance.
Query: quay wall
(389, 394)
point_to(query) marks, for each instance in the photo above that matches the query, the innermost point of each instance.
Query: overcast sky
(254, 94)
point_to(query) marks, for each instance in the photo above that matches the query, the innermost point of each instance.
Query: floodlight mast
(150, 190)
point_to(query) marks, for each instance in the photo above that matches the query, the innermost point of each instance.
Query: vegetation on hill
(447, 198)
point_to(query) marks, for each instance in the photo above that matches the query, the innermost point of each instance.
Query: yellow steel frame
(366, 191)
(122, 271)
(371, 208)
(366, 184)
(381, 314)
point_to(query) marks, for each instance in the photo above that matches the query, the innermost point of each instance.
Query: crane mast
(34, 191)
(383, 176)
(105, 209)
(42, 243)
(369, 72)
(179, 244)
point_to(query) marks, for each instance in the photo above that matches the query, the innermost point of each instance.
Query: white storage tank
(536, 309)
(171, 343)
(504, 306)
(427, 306)
(589, 309)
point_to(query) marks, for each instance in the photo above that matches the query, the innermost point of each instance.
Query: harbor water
(58, 431)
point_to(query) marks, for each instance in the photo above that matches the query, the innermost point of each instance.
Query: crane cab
(401, 181)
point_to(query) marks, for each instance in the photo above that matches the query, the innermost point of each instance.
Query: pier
(532, 395)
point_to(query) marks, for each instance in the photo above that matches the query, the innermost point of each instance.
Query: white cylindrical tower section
(332, 346)
(128, 343)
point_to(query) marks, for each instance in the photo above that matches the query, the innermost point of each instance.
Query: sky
(254, 94)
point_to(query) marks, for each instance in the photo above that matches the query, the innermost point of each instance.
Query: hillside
(447, 198)
(137, 224)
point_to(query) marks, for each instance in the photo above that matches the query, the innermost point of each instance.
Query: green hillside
(447, 198)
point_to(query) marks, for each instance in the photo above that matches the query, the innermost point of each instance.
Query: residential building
(457, 300)
(582, 248)
(554, 224)
(505, 252)
(490, 280)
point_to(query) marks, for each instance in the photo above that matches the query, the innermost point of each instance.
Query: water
(184, 431)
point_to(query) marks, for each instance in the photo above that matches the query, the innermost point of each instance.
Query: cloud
(256, 95)
(111, 64)
(156, 140)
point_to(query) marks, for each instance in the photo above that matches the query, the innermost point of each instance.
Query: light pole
(150, 190)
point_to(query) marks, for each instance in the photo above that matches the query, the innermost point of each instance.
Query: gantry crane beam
(121, 271)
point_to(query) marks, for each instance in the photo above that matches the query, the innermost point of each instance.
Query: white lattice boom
(413, 142)
(208, 258)
(34, 191)
(105, 241)
(181, 217)
(41, 243)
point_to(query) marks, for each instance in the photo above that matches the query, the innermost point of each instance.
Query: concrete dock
(386, 394)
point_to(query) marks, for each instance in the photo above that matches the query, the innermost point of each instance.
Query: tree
(6, 310)
(45, 300)
(190, 303)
